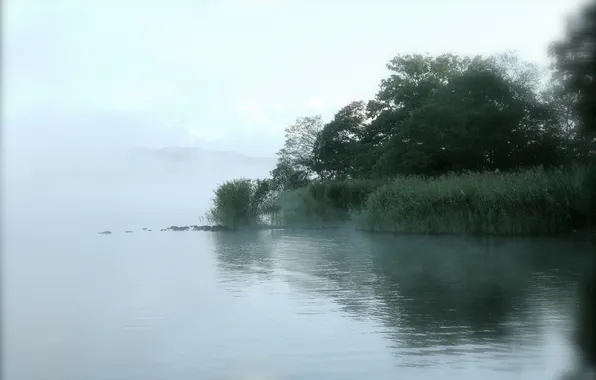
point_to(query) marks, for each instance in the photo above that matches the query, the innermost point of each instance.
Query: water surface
(287, 305)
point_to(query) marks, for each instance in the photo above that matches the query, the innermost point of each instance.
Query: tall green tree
(339, 143)
(575, 77)
(575, 64)
(294, 160)
(286, 176)
(449, 113)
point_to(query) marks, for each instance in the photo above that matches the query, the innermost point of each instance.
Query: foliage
(435, 115)
(240, 202)
(575, 73)
(524, 202)
(338, 142)
(574, 64)
(293, 169)
(448, 143)
(286, 177)
(325, 202)
(575, 69)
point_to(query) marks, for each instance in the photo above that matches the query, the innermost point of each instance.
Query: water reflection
(448, 292)
(482, 300)
(288, 305)
(244, 258)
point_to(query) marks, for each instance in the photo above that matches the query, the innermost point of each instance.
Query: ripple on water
(288, 305)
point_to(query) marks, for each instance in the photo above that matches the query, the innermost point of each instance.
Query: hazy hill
(104, 188)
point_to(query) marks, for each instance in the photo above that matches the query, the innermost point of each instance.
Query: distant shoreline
(586, 232)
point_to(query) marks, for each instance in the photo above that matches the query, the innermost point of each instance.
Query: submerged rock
(105, 233)
(211, 228)
(177, 228)
(197, 228)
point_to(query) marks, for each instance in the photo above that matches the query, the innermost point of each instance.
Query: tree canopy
(443, 116)
(434, 115)
(575, 66)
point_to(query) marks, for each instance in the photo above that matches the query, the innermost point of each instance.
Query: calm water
(287, 305)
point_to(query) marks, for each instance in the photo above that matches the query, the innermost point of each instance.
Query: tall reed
(533, 201)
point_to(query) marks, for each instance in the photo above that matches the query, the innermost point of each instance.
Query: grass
(536, 201)
(528, 202)
(325, 203)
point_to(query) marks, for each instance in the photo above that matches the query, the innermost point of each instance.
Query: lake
(282, 304)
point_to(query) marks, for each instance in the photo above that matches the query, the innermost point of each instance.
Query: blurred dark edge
(582, 74)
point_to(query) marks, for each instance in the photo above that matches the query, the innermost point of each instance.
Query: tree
(261, 189)
(575, 77)
(339, 143)
(524, 76)
(434, 115)
(294, 164)
(575, 67)
(575, 64)
(300, 140)
(241, 202)
(563, 103)
(413, 78)
(286, 177)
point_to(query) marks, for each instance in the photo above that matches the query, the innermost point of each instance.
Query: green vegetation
(527, 202)
(449, 144)
(240, 203)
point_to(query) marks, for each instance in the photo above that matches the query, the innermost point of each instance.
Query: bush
(535, 201)
(325, 202)
(527, 202)
(239, 203)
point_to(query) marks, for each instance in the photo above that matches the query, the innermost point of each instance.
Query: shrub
(526, 202)
(238, 203)
(324, 202)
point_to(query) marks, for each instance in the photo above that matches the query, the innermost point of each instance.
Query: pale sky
(229, 74)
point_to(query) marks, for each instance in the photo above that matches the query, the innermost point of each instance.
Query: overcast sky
(229, 74)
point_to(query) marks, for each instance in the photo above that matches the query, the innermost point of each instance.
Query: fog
(93, 93)
(97, 184)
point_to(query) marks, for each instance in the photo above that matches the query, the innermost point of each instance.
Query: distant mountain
(190, 153)
(99, 167)
(51, 149)
(63, 170)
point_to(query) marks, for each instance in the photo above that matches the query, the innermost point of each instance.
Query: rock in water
(215, 228)
(193, 227)
(176, 228)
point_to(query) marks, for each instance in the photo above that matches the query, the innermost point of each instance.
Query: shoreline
(585, 232)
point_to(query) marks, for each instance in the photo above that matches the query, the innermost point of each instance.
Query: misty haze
(65, 184)
(283, 189)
